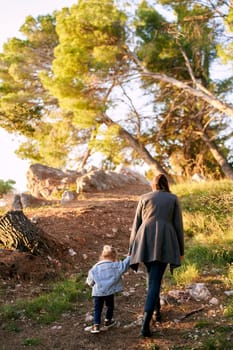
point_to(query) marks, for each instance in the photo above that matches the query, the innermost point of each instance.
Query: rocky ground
(77, 233)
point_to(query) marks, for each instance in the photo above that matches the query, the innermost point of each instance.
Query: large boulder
(45, 182)
(99, 180)
(133, 175)
(29, 201)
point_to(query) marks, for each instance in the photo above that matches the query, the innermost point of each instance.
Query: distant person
(157, 239)
(105, 279)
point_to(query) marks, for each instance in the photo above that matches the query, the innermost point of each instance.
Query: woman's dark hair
(160, 182)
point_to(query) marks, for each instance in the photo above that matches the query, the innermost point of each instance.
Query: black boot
(145, 330)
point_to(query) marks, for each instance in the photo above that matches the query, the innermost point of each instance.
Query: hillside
(77, 233)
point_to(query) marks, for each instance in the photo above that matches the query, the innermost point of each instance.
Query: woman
(157, 239)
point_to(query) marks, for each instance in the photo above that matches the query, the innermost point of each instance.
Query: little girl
(105, 280)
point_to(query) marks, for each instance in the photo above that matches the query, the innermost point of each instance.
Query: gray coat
(157, 232)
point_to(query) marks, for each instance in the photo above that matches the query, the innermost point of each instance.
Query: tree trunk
(140, 149)
(84, 159)
(226, 168)
(88, 152)
(17, 232)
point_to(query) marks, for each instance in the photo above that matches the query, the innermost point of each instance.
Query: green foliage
(204, 196)
(157, 48)
(43, 148)
(22, 98)
(206, 254)
(65, 81)
(186, 274)
(225, 48)
(25, 105)
(89, 49)
(47, 307)
(12, 327)
(207, 209)
(202, 324)
(6, 186)
(215, 343)
(154, 347)
(110, 145)
(182, 47)
(229, 276)
(31, 342)
(161, 40)
(228, 309)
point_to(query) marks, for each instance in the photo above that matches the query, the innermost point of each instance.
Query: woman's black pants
(155, 270)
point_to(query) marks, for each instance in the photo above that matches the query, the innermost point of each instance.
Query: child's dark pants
(98, 307)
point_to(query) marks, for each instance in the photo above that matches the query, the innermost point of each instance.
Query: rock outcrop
(99, 180)
(46, 183)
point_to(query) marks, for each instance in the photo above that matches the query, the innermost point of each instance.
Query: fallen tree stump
(17, 232)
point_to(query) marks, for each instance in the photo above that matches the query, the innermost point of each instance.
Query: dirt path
(84, 227)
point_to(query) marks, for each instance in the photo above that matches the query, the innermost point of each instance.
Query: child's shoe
(109, 323)
(95, 328)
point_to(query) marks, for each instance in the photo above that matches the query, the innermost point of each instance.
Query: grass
(215, 343)
(48, 307)
(31, 342)
(229, 276)
(186, 274)
(208, 223)
(228, 309)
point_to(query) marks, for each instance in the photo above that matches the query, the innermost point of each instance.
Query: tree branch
(199, 92)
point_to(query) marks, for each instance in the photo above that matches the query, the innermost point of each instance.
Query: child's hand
(90, 282)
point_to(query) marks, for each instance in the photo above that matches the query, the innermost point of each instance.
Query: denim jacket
(105, 276)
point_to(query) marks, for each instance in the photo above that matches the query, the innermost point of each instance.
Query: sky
(12, 17)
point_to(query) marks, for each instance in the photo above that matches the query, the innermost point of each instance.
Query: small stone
(72, 252)
(56, 327)
(228, 292)
(88, 317)
(214, 301)
(126, 294)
